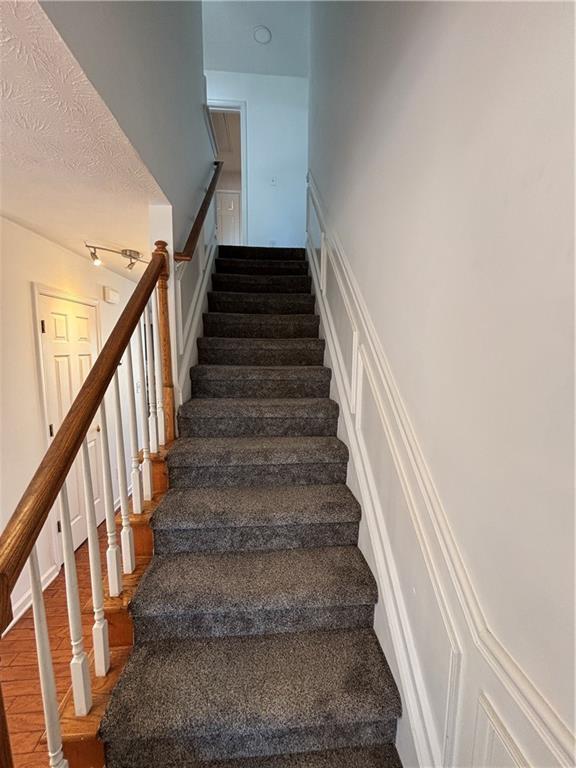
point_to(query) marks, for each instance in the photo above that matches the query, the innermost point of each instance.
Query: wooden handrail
(192, 242)
(23, 528)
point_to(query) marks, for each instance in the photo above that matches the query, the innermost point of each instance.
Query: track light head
(96, 260)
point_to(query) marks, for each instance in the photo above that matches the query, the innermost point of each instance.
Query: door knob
(98, 428)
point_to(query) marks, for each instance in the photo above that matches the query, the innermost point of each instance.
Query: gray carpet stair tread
(260, 252)
(370, 757)
(242, 325)
(255, 451)
(230, 343)
(255, 507)
(261, 303)
(253, 639)
(260, 381)
(271, 580)
(276, 372)
(262, 283)
(216, 350)
(251, 686)
(273, 408)
(210, 416)
(261, 266)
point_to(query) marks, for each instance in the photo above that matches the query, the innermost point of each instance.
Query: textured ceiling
(67, 171)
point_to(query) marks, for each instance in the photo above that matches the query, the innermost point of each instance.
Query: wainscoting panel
(314, 230)
(342, 325)
(493, 745)
(192, 285)
(187, 283)
(447, 658)
(436, 652)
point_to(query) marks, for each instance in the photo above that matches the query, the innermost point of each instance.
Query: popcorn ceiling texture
(68, 170)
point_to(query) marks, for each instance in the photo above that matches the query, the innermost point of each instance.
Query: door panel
(228, 217)
(69, 348)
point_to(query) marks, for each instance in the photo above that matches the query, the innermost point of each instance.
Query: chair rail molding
(363, 375)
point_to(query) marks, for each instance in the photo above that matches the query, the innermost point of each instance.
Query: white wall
(276, 148)
(229, 43)
(145, 59)
(25, 258)
(441, 146)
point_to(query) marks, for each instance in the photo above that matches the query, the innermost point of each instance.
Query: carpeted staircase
(253, 639)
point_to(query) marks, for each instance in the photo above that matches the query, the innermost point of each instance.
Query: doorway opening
(227, 122)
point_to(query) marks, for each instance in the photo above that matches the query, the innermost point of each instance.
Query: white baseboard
(20, 607)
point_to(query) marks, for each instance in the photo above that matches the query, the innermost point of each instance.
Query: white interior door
(228, 217)
(69, 342)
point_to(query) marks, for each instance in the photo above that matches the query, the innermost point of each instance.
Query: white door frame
(39, 289)
(231, 105)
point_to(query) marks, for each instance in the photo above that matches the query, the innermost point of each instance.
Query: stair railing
(144, 317)
(140, 340)
(192, 241)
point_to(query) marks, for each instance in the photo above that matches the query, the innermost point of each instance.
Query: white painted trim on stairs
(20, 607)
(194, 320)
(462, 613)
(415, 699)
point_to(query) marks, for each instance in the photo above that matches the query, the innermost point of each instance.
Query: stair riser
(246, 538)
(267, 475)
(258, 252)
(262, 283)
(271, 304)
(234, 326)
(166, 753)
(263, 388)
(381, 756)
(213, 356)
(260, 622)
(249, 427)
(262, 267)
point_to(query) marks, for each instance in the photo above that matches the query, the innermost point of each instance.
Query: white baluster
(80, 673)
(126, 535)
(136, 476)
(113, 550)
(153, 421)
(47, 681)
(158, 372)
(146, 463)
(100, 628)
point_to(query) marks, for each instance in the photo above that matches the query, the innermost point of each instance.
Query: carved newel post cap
(161, 246)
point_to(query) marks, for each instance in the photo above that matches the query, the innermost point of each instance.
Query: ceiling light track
(131, 255)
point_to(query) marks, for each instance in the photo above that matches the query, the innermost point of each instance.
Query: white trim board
(20, 607)
(194, 317)
(475, 656)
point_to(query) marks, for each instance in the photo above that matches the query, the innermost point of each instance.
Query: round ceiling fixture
(262, 35)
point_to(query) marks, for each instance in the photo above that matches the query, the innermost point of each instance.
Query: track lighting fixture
(96, 260)
(128, 253)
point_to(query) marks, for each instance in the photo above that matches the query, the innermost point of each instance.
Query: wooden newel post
(5, 619)
(5, 751)
(164, 333)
